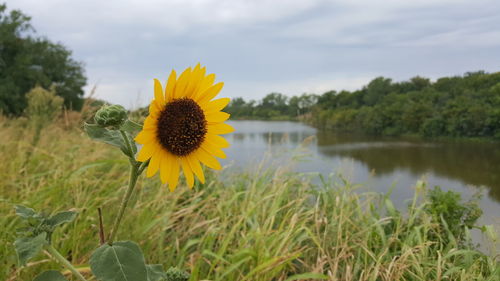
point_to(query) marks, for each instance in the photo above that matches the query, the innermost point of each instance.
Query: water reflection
(449, 163)
(475, 164)
(272, 138)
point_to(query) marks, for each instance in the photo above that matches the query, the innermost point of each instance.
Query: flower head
(183, 127)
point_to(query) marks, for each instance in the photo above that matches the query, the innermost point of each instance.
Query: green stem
(58, 257)
(129, 147)
(131, 184)
(143, 166)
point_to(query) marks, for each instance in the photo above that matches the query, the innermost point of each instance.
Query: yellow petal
(209, 94)
(174, 174)
(187, 172)
(219, 128)
(196, 80)
(208, 81)
(207, 159)
(159, 97)
(217, 105)
(216, 117)
(220, 153)
(180, 86)
(199, 85)
(217, 140)
(154, 164)
(169, 88)
(145, 136)
(150, 123)
(196, 168)
(154, 108)
(146, 152)
(165, 166)
(213, 150)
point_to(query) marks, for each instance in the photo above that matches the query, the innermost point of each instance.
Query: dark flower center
(181, 126)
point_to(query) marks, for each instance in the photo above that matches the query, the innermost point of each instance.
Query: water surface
(379, 163)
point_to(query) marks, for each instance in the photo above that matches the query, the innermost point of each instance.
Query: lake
(378, 163)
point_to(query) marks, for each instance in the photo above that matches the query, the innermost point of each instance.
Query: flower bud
(111, 116)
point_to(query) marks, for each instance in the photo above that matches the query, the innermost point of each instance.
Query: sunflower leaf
(155, 272)
(131, 127)
(122, 261)
(50, 275)
(61, 217)
(28, 247)
(98, 133)
(25, 212)
(112, 137)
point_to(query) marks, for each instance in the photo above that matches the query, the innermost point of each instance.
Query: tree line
(274, 106)
(458, 106)
(28, 61)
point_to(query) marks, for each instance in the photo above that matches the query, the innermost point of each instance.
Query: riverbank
(249, 225)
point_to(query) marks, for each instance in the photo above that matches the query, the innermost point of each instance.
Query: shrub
(450, 213)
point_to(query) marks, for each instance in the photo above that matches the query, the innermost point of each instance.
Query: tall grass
(260, 225)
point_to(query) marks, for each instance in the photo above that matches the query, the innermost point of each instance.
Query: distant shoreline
(360, 133)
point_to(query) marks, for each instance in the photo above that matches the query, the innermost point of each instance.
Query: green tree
(27, 61)
(376, 90)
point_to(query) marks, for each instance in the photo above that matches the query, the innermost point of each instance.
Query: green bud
(175, 274)
(111, 116)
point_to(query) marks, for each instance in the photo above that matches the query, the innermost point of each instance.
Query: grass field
(256, 225)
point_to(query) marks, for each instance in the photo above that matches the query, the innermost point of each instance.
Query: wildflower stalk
(58, 257)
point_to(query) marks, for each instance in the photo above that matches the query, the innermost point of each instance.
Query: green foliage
(38, 223)
(29, 247)
(121, 132)
(451, 214)
(131, 127)
(111, 116)
(50, 275)
(122, 261)
(452, 106)
(112, 137)
(37, 231)
(25, 212)
(27, 61)
(155, 272)
(43, 105)
(175, 274)
(116, 137)
(274, 106)
(60, 218)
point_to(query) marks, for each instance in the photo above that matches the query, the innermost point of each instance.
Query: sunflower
(183, 127)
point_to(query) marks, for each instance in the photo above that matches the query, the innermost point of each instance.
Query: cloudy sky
(259, 46)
